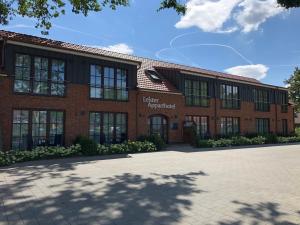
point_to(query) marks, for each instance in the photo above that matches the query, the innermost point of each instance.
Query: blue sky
(252, 38)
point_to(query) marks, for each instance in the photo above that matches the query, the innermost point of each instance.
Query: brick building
(52, 91)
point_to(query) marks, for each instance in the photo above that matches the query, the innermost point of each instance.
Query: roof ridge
(128, 56)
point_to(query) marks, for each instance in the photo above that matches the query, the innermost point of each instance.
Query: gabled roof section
(143, 64)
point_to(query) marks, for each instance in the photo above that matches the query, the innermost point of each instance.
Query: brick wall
(77, 106)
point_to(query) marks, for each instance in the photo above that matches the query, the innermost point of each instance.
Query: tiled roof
(143, 80)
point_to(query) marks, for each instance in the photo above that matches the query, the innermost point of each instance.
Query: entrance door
(159, 125)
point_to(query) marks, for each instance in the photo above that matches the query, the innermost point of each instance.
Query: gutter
(74, 52)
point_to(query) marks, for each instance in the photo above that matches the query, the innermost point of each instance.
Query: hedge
(39, 153)
(239, 141)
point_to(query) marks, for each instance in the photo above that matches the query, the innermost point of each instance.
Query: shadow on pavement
(128, 198)
(259, 214)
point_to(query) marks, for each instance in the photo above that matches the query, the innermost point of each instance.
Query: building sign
(154, 103)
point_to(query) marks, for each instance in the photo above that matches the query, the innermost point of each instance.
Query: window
(153, 75)
(41, 80)
(95, 82)
(22, 74)
(122, 92)
(108, 83)
(37, 128)
(261, 100)
(284, 127)
(262, 125)
(56, 128)
(57, 78)
(20, 129)
(230, 125)
(229, 97)
(201, 124)
(283, 99)
(40, 84)
(196, 93)
(106, 127)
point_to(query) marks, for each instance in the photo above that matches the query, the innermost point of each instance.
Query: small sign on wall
(174, 126)
(154, 103)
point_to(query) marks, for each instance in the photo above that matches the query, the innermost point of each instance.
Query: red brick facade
(77, 106)
(167, 93)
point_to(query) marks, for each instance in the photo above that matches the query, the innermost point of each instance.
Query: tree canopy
(45, 10)
(293, 84)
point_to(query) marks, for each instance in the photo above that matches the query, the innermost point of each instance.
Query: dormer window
(153, 75)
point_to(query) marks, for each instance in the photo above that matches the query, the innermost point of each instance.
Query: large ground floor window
(108, 127)
(230, 126)
(32, 128)
(200, 123)
(262, 125)
(158, 124)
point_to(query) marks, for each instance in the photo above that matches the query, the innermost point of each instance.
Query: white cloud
(256, 12)
(207, 15)
(121, 48)
(257, 71)
(212, 15)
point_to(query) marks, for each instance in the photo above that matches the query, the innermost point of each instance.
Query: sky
(253, 38)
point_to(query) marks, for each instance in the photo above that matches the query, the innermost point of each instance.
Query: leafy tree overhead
(45, 10)
(293, 84)
(289, 3)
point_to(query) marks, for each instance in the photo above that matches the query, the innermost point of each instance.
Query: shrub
(289, 139)
(11, 157)
(271, 138)
(259, 140)
(297, 131)
(156, 139)
(88, 146)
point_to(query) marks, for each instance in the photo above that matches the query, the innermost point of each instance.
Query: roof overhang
(74, 52)
(232, 80)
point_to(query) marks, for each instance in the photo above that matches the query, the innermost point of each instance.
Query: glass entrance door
(159, 125)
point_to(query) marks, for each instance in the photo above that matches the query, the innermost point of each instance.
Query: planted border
(40, 153)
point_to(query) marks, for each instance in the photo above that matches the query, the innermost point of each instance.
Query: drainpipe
(276, 114)
(215, 98)
(136, 103)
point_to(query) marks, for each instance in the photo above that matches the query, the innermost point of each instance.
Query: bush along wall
(84, 147)
(239, 141)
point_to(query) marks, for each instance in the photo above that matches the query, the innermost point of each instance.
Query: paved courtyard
(251, 186)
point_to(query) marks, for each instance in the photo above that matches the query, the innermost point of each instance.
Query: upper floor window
(44, 77)
(283, 99)
(22, 73)
(108, 83)
(230, 125)
(261, 100)
(229, 96)
(196, 93)
(262, 125)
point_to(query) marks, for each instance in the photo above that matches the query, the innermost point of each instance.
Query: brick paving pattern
(181, 186)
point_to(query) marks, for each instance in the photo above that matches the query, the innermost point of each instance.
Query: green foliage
(294, 88)
(289, 3)
(88, 146)
(239, 141)
(292, 139)
(156, 139)
(11, 157)
(44, 11)
(297, 131)
(271, 138)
